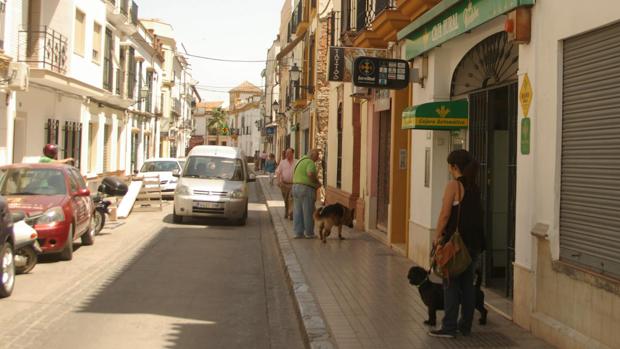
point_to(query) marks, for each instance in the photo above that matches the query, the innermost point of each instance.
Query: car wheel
(175, 217)
(67, 252)
(30, 255)
(7, 270)
(88, 238)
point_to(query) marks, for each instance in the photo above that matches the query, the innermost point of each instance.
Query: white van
(213, 183)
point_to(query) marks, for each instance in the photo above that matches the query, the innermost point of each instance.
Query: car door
(79, 204)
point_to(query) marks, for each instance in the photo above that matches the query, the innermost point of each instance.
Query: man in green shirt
(50, 155)
(305, 184)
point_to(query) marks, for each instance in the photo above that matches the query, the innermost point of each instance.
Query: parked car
(54, 196)
(164, 168)
(7, 256)
(214, 183)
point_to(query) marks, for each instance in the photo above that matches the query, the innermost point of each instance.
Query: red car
(56, 199)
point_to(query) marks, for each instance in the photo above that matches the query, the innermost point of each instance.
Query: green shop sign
(443, 23)
(437, 116)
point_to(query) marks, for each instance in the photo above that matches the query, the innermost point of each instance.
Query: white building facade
(543, 122)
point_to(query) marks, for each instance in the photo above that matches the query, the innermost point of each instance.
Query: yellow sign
(526, 95)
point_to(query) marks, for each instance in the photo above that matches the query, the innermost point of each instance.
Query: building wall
(426, 201)
(82, 67)
(565, 305)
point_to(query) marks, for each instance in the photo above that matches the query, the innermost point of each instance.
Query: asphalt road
(152, 284)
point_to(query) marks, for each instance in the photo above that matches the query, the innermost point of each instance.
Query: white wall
(540, 171)
(83, 67)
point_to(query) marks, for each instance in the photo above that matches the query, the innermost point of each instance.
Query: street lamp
(295, 75)
(275, 106)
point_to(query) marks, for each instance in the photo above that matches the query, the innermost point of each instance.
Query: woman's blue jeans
(304, 198)
(459, 292)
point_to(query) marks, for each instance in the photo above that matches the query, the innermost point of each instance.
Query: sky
(228, 29)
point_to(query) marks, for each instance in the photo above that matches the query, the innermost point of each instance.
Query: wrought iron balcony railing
(43, 47)
(120, 81)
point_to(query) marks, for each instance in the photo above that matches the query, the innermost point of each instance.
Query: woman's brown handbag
(451, 258)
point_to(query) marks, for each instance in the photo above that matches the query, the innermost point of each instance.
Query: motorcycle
(110, 186)
(26, 240)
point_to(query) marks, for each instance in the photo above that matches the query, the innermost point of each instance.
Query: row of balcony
(123, 14)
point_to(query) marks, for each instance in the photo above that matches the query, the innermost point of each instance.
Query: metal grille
(589, 205)
(44, 48)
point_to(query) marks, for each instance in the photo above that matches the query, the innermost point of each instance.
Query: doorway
(493, 142)
(487, 76)
(383, 170)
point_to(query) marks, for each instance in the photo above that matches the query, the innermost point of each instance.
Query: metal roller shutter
(590, 191)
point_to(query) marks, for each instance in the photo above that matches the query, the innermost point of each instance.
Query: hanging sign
(525, 95)
(341, 61)
(451, 115)
(525, 136)
(392, 74)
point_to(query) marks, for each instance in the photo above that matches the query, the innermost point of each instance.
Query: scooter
(110, 186)
(26, 243)
(101, 210)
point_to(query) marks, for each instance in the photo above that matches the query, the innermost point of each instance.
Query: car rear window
(31, 181)
(211, 167)
(159, 166)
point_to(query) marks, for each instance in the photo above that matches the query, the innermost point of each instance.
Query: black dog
(432, 294)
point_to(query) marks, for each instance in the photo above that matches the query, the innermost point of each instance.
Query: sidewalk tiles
(355, 294)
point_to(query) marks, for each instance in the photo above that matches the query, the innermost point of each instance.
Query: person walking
(284, 175)
(305, 184)
(461, 193)
(270, 167)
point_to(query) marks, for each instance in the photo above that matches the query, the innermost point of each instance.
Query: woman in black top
(459, 291)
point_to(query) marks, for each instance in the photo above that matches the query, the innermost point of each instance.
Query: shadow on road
(204, 285)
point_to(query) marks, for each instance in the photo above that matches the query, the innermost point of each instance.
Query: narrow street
(153, 284)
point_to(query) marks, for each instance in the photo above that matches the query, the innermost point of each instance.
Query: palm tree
(217, 122)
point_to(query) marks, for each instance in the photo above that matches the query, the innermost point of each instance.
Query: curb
(314, 326)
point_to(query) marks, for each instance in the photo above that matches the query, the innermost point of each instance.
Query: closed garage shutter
(590, 191)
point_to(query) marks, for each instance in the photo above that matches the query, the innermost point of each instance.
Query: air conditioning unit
(18, 75)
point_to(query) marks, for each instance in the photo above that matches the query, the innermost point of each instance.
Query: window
(108, 65)
(32, 181)
(214, 168)
(131, 73)
(79, 33)
(93, 129)
(97, 43)
(107, 147)
(51, 131)
(73, 141)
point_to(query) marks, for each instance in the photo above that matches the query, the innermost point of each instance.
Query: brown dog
(335, 215)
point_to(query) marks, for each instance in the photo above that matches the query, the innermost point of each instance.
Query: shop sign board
(451, 115)
(525, 95)
(341, 61)
(525, 136)
(372, 72)
(428, 32)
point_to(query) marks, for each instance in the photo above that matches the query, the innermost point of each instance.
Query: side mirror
(82, 192)
(176, 173)
(252, 177)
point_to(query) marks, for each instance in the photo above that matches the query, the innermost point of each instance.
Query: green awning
(451, 115)
(449, 19)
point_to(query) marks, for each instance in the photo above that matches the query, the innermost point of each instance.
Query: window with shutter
(590, 189)
(107, 148)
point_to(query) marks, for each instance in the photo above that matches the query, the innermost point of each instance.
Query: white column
(100, 143)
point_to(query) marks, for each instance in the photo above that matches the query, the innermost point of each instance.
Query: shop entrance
(487, 76)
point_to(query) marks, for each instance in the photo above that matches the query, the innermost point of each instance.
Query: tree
(217, 122)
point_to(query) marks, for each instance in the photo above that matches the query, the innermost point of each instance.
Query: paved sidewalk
(365, 299)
